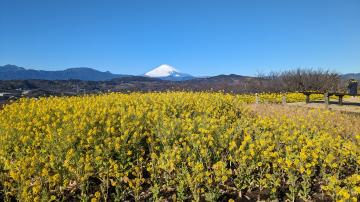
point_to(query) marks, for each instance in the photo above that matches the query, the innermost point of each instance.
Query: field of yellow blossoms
(176, 146)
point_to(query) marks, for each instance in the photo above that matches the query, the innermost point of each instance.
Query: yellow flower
(97, 194)
(191, 141)
(344, 194)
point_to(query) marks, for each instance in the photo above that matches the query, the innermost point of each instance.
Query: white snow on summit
(162, 71)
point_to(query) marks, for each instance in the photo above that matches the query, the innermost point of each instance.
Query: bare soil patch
(351, 105)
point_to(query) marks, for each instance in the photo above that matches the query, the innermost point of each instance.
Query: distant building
(10, 95)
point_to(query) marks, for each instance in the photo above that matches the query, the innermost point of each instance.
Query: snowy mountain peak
(163, 70)
(167, 72)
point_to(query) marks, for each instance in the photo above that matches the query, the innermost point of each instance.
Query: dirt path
(351, 104)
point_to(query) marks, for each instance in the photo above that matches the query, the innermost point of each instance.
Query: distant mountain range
(163, 72)
(355, 76)
(13, 72)
(33, 83)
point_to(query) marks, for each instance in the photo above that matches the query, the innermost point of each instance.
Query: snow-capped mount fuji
(167, 72)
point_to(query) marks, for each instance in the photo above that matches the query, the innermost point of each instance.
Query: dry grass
(348, 122)
(351, 105)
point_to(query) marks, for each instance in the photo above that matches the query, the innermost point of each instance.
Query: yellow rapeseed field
(176, 146)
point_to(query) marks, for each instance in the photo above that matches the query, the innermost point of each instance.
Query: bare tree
(310, 80)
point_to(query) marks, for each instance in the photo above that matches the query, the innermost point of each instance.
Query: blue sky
(198, 37)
